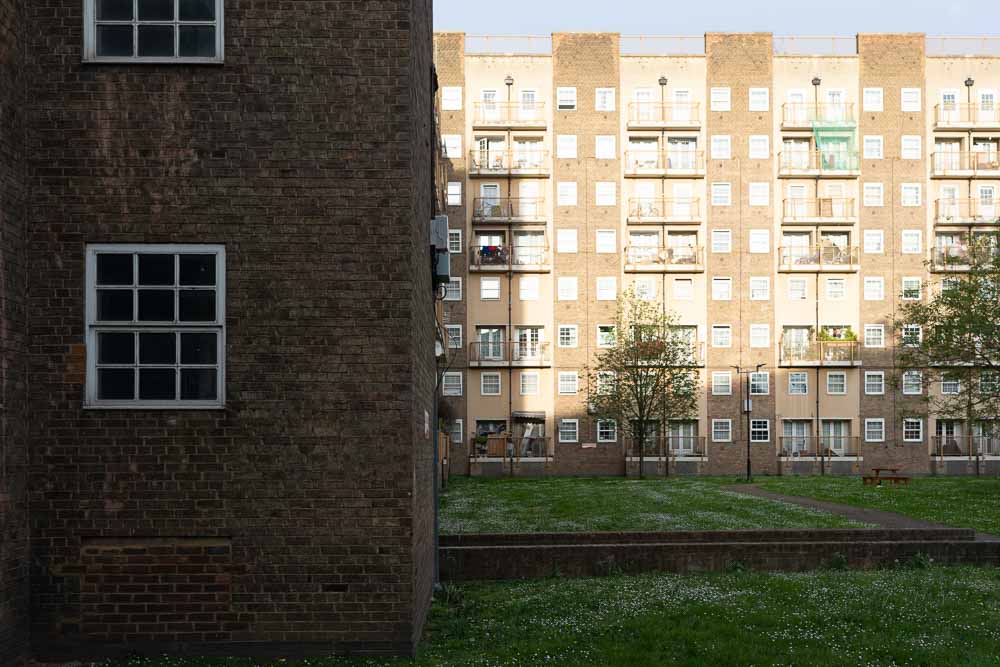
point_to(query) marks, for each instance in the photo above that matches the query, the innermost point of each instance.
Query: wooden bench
(878, 477)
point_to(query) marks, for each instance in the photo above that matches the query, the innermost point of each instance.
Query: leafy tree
(648, 375)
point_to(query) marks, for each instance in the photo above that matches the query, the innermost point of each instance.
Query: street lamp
(815, 82)
(969, 83)
(747, 409)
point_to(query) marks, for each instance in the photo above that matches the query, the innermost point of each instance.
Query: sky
(659, 17)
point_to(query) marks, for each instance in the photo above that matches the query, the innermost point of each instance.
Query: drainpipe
(509, 82)
(819, 347)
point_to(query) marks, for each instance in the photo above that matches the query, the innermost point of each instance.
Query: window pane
(156, 305)
(156, 269)
(115, 348)
(114, 10)
(157, 384)
(115, 384)
(197, 41)
(156, 40)
(198, 348)
(114, 305)
(197, 269)
(198, 384)
(157, 348)
(197, 306)
(114, 40)
(114, 269)
(197, 10)
(156, 10)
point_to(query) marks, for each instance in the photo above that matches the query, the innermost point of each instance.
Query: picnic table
(876, 480)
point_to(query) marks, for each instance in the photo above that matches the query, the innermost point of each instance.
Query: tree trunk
(641, 428)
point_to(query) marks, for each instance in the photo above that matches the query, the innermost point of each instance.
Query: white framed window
(457, 430)
(797, 289)
(451, 145)
(528, 288)
(798, 383)
(836, 383)
(566, 193)
(569, 430)
(604, 99)
(910, 99)
(722, 335)
(874, 383)
(607, 288)
(683, 289)
(760, 147)
(722, 240)
(760, 288)
(913, 430)
(872, 147)
(605, 335)
(604, 147)
(836, 289)
(489, 289)
(453, 290)
(161, 32)
(722, 289)
(454, 241)
(872, 195)
(912, 288)
(722, 383)
(569, 382)
(720, 99)
(567, 288)
(156, 326)
(875, 430)
(605, 193)
(760, 430)
(911, 244)
(760, 241)
(454, 193)
(871, 99)
(760, 383)
(566, 146)
(951, 386)
(606, 241)
(874, 288)
(874, 335)
(489, 384)
(451, 383)
(566, 99)
(451, 98)
(645, 288)
(910, 194)
(760, 335)
(910, 147)
(760, 195)
(913, 383)
(529, 383)
(722, 430)
(721, 147)
(607, 430)
(566, 241)
(874, 242)
(605, 382)
(454, 332)
(759, 99)
(568, 335)
(722, 194)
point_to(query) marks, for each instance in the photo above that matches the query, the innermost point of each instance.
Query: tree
(648, 375)
(951, 337)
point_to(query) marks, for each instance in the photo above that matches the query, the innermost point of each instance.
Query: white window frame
(453, 290)
(832, 294)
(451, 339)
(90, 37)
(528, 288)
(563, 292)
(870, 389)
(687, 295)
(762, 149)
(566, 98)
(833, 374)
(482, 383)
(720, 99)
(451, 98)
(951, 386)
(566, 193)
(793, 290)
(722, 289)
(605, 193)
(878, 422)
(919, 288)
(727, 328)
(575, 423)
(606, 94)
(722, 240)
(872, 195)
(722, 194)
(612, 334)
(604, 147)
(459, 426)
(872, 99)
(720, 388)
(456, 236)
(871, 329)
(568, 382)
(873, 146)
(920, 429)
(911, 105)
(915, 196)
(874, 288)
(798, 379)
(566, 241)
(760, 383)
(760, 288)
(451, 146)
(911, 242)
(607, 288)
(645, 288)
(914, 150)
(483, 280)
(614, 430)
(721, 147)
(759, 333)
(870, 245)
(756, 425)
(566, 146)
(605, 241)
(728, 428)
(759, 194)
(454, 193)
(568, 328)
(526, 389)
(762, 101)
(451, 375)
(909, 378)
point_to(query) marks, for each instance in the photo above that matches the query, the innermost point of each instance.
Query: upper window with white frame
(604, 99)
(451, 98)
(910, 99)
(720, 99)
(722, 240)
(910, 147)
(872, 194)
(604, 147)
(910, 194)
(872, 99)
(874, 383)
(872, 147)
(155, 326)
(153, 31)
(759, 99)
(721, 147)
(836, 382)
(566, 99)
(760, 194)
(759, 148)
(722, 194)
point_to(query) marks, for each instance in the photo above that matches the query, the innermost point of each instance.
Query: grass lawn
(933, 616)
(967, 502)
(563, 504)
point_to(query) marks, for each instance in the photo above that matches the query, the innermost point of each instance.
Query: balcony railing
(527, 162)
(820, 353)
(503, 447)
(678, 446)
(806, 115)
(509, 114)
(504, 257)
(951, 211)
(664, 114)
(818, 258)
(653, 258)
(824, 446)
(509, 353)
(508, 209)
(966, 115)
(824, 209)
(668, 163)
(821, 163)
(963, 164)
(965, 445)
(961, 257)
(663, 209)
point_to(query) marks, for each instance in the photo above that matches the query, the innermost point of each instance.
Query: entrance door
(529, 248)
(681, 248)
(835, 437)
(645, 205)
(987, 111)
(835, 109)
(795, 343)
(489, 105)
(643, 247)
(949, 110)
(644, 109)
(834, 247)
(795, 437)
(834, 155)
(947, 155)
(529, 343)
(683, 204)
(491, 153)
(682, 106)
(949, 438)
(529, 106)
(948, 206)
(834, 205)
(795, 107)
(527, 154)
(681, 152)
(682, 436)
(798, 206)
(489, 200)
(490, 249)
(795, 154)
(949, 245)
(987, 203)
(490, 343)
(795, 248)
(643, 153)
(528, 203)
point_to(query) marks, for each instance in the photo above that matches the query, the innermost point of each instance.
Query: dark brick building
(217, 326)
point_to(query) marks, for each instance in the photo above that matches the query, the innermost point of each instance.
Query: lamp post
(747, 409)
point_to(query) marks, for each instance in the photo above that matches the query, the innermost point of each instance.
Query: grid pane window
(760, 335)
(607, 430)
(874, 382)
(913, 430)
(567, 335)
(798, 383)
(760, 430)
(951, 386)
(722, 383)
(760, 289)
(836, 383)
(911, 289)
(913, 383)
(490, 384)
(569, 430)
(722, 430)
(874, 430)
(760, 383)
(569, 382)
(605, 335)
(722, 335)
(451, 384)
(722, 240)
(157, 30)
(797, 289)
(454, 336)
(529, 383)
(874, 289)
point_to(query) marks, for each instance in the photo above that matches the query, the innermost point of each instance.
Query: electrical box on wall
(440, 257)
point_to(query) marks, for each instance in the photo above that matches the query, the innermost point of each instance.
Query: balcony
(509, 115)
(961, 257)
(652, 259)
(824, 446)
(664, 116)
(509, 353)
(508, 210)
(502, 258)
(677, 164)
(828, 164)
(825, 210)
(965, 445)
(837, 353)
(796, 116)
(965, 211)
(818, 258)
(662, 210)
(966, 116)
(975, 164)
(493, 163)
(676, 446)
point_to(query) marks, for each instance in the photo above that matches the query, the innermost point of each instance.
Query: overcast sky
(661, 17)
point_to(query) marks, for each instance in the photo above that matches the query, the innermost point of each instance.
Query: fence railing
(960, 257)
(822, 256)
(510, 447)
(966, 210)
(508, 113)
(822, 208)
(492, 162)
(790, 162)
(640, 161)
(502, 209)
(659, 446)
(965, 445)
(658, 209)
(506, 352)
(835, 352)
(965, 114)
(801, 114)
(825, 446)
(944, 163)
(664, 113)
(503, 256)
(654, 256)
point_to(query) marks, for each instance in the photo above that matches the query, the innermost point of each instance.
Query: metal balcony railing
(509, 114)
(498, 162)
(818, 257)
(831, 162)
(824, 446)
(664, 114)
(965, 210)
(671, 162)
(508, 209)
(966, 115)
(503, 447)
(503, 353)
(502, 257)
(824, 208)
(663, 209)
(653, 257)
(945, 163)
(805, 115)
(962, 257)
(659, 446)
(820, 353)
(965, 445)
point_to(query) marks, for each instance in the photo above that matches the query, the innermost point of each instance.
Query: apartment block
(782, 196)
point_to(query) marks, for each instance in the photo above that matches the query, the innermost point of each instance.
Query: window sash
(90, 36)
